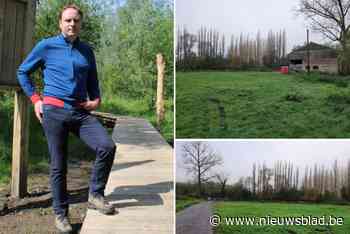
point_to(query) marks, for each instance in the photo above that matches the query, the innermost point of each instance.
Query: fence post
(20, 145)
(160, 90)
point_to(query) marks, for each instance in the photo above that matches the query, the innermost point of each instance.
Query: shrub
(294, 97)
(340, 81)
(339, 102)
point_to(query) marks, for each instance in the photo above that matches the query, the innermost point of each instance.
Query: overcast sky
(247, 16)
(239, 156)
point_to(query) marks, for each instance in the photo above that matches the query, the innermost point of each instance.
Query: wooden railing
(107, 119)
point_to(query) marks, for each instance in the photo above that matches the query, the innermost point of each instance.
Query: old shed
(322, 58)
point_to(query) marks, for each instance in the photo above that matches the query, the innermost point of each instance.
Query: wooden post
(20, 146)
(308, 51)
(21, 113)
(160, 90)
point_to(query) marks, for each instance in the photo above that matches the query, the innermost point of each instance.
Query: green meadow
(258, 209)
(261, 105)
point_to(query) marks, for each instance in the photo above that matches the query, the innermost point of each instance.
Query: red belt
(58, 102)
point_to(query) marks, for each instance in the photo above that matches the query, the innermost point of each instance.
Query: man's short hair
(73, 6)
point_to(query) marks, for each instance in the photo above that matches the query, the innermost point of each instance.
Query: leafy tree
(136, 33)
(47, 20)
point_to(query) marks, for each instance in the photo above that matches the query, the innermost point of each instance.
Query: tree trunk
(344, 59)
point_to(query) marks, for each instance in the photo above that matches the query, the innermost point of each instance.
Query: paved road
(195, 219)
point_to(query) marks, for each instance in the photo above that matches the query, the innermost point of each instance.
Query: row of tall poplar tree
(282, 181)
(286, 181)
(208, 49)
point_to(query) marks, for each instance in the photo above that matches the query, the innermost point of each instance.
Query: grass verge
(275, 210)
(184, 202)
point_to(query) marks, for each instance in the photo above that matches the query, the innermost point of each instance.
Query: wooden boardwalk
(140, 183)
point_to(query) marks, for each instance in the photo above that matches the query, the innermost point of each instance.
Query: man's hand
(90, 105)
(38, 108)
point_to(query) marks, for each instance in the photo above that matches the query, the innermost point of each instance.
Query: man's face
(70, 23)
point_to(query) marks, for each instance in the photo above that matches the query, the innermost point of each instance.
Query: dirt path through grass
(195, 219)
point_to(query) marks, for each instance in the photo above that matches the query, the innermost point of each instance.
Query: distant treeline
(283, 182)
(207, 49)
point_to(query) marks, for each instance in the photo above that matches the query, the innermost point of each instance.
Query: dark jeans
(57, 123)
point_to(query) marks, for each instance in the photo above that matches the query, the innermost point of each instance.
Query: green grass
(185, 202)
(260, 105)
(6, 123)
(251, 209)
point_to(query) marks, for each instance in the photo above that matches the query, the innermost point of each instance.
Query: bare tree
(330, 18)
(254, 179)
(222, 47)
(296, 185)
(185, 47)
(348, 177)
(259, 179)
(335, 173)
(284, 42)
(199, 159)
(305, 185)
(270, 49)
(258, 48)
(222, 178)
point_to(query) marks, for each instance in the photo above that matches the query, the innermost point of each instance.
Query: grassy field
(186, 202)
(260, 105)
(251, 209)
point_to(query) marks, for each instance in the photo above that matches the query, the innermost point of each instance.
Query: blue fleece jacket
(69, 70)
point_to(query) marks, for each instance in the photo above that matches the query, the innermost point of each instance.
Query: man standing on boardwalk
(71, 91)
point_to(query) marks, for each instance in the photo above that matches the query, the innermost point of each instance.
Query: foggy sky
(239, 155)
(247, 16)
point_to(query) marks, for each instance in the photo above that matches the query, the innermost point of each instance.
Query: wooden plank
(2, 24)
(19, 43)
(108, 120)
(9, 38)
(8, 87)
(29, 27)
(20, 146)
(12, 39)
(105, 115)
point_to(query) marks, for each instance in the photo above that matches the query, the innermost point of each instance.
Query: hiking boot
(62, 224)
(99, 203)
